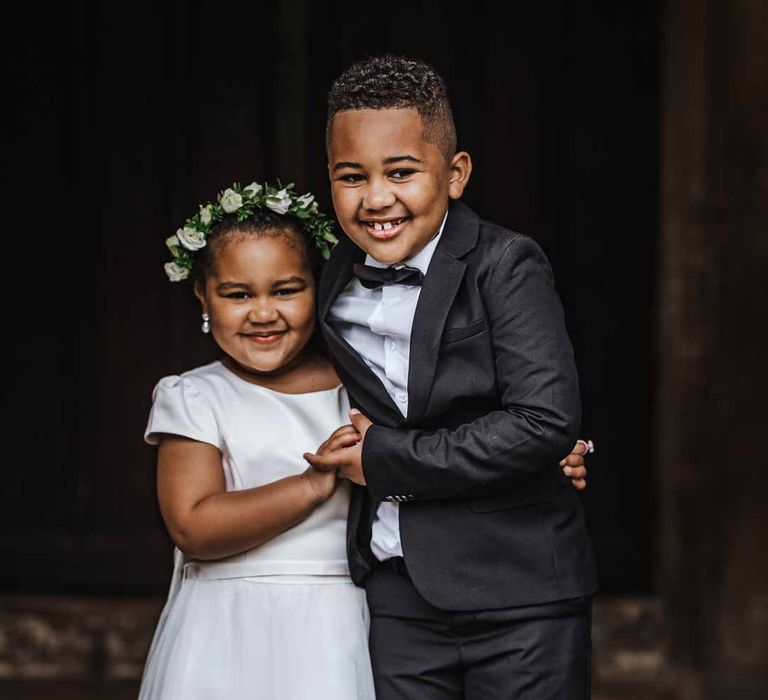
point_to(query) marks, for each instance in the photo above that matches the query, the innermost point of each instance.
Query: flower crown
(242, 202)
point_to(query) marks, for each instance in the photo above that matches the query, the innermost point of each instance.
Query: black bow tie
(375, 277)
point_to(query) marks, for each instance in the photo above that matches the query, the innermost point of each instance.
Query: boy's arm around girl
(529, 369)
(486, 520)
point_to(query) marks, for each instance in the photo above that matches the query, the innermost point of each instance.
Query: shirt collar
(421, 259)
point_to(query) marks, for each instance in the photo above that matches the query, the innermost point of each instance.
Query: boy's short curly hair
(387, 82)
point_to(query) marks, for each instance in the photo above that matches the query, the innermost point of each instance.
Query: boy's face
(390, 188)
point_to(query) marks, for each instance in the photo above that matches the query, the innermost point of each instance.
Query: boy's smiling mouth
(384, 228)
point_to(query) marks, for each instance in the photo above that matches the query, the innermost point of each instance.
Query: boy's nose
(378, 195)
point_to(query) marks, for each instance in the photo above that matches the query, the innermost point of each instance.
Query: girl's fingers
(349, 428)
(573, 460)
(579, 450)
(581, 447)
(324, 462)
(575, 472)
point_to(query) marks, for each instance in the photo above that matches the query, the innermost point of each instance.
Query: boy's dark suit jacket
(487, 519)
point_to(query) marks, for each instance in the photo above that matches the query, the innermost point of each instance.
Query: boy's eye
(237, 295)
(401, 173)
(285, 291)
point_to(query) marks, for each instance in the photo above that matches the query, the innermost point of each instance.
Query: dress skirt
(287, 637)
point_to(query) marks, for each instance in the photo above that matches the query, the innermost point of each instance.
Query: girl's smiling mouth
(265, 338)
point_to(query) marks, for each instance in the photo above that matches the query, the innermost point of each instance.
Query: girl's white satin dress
(282, 621)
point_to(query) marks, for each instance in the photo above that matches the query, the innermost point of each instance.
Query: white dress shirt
(377, 324)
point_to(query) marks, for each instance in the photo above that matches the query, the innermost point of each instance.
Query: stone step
(83, 645)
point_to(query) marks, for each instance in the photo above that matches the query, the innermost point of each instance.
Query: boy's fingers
(333, 443)
(346, 440)
(580, 484)
(360, 421)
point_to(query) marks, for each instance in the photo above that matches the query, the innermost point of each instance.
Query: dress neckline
(230, 373)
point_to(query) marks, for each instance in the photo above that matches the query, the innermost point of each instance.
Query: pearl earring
(206, 327)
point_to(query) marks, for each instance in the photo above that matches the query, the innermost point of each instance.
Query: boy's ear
(461, 168)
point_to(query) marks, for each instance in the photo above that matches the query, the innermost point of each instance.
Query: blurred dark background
(630, 139)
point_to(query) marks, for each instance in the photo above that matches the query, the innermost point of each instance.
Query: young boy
(449, 336)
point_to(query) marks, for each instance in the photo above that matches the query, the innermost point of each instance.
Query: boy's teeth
(387, 226)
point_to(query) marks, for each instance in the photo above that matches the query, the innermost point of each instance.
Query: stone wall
(97, 640)
(712, 350)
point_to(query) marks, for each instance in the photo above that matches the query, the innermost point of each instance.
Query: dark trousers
(539, 652)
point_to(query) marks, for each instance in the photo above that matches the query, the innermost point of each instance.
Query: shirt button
(392, 345)
(402, 397)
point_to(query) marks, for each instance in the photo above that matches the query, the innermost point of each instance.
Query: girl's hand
(574, 467)
(322, 482)
(325, 481)
(348, 460)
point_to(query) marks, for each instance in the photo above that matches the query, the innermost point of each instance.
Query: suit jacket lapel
(441, 283)
(438, 291)
(335, 277)
(337, 273)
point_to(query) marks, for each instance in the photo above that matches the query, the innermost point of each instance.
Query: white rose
(191, 238)
(175, 273)
(205, 215)
(231, 201)
(306, 201)
(253, 189)
(172, 242)
(280, 202)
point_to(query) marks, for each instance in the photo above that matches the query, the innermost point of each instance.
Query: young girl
(261, 604)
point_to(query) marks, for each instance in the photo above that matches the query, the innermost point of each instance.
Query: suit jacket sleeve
(540, 412)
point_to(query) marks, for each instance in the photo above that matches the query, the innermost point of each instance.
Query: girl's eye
(286, 291)
(351, 178)
(237, 295)
(401, 173)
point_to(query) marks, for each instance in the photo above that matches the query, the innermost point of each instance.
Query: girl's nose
(262, 311)
(378, 195)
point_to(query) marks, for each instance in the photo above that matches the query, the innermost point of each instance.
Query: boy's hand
(324, 481)
(345, 436)
(573, 465)
(346, 460)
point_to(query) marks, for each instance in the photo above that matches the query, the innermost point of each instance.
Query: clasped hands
(342, 453)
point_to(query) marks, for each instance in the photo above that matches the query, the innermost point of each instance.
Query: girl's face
(260, 297)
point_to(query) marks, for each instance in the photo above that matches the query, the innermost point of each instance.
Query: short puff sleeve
(179, 408)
